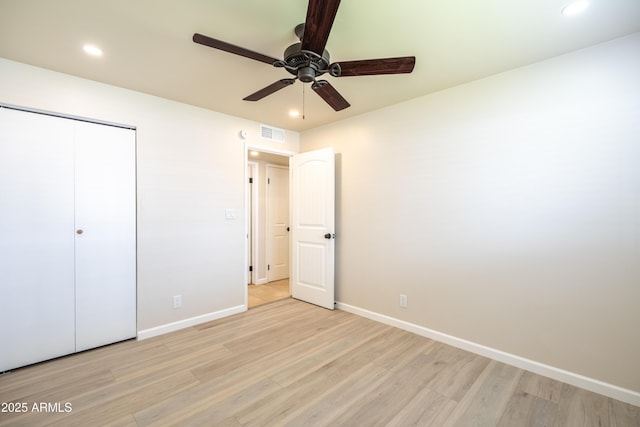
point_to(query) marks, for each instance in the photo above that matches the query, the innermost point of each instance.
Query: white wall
(508, 210)
(190, 168)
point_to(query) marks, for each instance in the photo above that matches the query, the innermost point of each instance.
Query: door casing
(261, 149)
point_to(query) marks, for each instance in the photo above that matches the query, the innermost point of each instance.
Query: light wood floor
(269, 292)
(291, 363)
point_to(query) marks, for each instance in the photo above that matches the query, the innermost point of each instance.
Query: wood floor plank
(72, 384)
(526, 410)
(292, 363)
(486, 400)
(217, 412)
(126, 421)
(393, 394)
(581, 408)
(51, 374)
(310, 355)
(537, 385)
(255, 346)
(427, 409)
(279, 408)
(622, 414)
(182, 406)
(273, 338)
(409, 347)
(459, 370)
(171, 362)
(331, 404)
(128, 401)
(226, 329)
(216, 384)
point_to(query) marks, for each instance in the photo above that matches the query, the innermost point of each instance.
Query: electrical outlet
(177, 301)
(403, 301)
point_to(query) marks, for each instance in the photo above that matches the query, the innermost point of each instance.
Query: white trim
(625, 395)
(250, 146)
(181, 324)
(255, 235)
(266, 149)
(65, 116)
(251, 222)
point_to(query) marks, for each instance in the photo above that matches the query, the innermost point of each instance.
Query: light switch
(230, 213)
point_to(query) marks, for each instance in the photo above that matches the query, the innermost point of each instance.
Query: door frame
(248, 146)
(251, 218)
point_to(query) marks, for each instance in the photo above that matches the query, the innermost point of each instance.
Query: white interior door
(313, 227)
(278, 222)
(36, 238)
(105, 236)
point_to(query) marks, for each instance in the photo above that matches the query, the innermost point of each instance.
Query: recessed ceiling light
(92, 50)
(254, 153)
(575, 8)
(294, 113)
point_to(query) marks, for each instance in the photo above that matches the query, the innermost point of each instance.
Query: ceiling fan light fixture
(575, 8)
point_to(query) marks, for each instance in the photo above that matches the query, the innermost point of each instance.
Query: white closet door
(36, 238)
(106, 248)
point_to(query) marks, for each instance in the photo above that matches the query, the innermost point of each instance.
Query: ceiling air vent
(271, 133)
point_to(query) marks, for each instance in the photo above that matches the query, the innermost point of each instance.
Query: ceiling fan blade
(274, 87)
(317, 26)
(228, 47)
(330, 95)
(370, 67)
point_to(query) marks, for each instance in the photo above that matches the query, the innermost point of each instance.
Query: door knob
(79, 231)
(329, 236)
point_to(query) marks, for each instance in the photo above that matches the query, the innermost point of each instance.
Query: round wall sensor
(244, 134)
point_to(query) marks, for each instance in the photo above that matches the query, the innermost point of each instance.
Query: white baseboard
(181, 324)
(596, 386)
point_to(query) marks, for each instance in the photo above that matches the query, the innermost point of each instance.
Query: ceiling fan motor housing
(306, 65)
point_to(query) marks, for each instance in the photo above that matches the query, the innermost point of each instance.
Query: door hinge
(268, 267)
(250, 180)
(251, 268)
(268, 180)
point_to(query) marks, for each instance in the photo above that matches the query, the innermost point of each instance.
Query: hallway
(269, 292)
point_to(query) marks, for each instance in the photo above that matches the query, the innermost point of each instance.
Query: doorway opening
(267, 224)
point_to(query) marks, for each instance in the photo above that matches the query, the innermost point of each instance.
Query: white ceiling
(147, 46)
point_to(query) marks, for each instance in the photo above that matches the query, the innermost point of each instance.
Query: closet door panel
(106, 248)
(36, 238)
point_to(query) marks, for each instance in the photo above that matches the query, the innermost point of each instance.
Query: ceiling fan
(309, 60)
